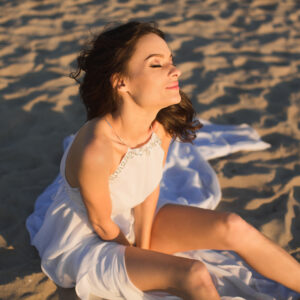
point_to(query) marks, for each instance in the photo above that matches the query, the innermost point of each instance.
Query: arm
(144, 212)
(143, 215)
(93, 176)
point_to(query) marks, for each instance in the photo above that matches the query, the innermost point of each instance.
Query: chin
(171, 102)
(176, 100)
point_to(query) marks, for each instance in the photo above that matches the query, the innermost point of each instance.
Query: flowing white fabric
(188, 179)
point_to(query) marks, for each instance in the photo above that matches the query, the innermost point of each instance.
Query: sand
(240, 62)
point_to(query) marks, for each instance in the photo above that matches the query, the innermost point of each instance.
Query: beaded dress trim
(132, 152)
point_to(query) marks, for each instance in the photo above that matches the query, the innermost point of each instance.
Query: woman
(103, 232)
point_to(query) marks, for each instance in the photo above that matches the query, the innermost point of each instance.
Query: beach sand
(240, 63)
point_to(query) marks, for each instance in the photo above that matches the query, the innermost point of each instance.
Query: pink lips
(175, 86)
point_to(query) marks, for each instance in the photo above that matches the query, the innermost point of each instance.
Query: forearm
(143, 234)
(144, 215)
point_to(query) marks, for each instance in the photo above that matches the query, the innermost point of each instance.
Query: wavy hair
(108, 54)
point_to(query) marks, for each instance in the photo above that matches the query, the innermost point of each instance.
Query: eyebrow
(156, 54)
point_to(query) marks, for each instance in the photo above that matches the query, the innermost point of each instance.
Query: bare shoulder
(91, 153)
(97, 151)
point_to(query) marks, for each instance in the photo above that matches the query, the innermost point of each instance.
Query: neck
(133, 125)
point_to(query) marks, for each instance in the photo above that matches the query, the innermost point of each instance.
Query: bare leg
(179, 228)
(186, 278)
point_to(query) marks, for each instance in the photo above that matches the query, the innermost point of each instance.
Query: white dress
(73, 255)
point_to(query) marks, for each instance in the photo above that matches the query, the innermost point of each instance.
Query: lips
(175, 86)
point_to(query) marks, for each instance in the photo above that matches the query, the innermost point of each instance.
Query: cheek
(148, 85)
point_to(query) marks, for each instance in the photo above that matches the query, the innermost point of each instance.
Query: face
(152, 79)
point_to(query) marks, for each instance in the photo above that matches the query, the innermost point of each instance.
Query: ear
(118, 82)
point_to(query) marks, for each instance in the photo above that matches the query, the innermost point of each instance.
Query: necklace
(120, 139)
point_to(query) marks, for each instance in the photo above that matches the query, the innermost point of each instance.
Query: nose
(175, 72)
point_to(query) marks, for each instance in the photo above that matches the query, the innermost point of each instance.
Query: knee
(237, 229)
(198, 277)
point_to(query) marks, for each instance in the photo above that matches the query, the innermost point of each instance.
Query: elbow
(107, 232)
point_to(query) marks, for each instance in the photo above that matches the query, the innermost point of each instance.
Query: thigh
(154, 271)
(178, 228)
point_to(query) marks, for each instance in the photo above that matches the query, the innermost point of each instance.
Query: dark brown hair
(108, 54)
